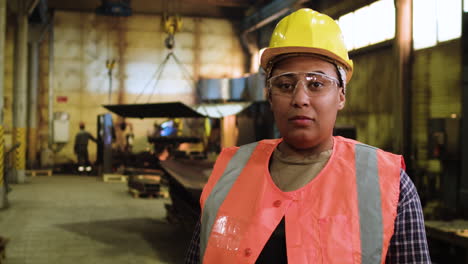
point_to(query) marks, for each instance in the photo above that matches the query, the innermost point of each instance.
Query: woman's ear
(342, 100)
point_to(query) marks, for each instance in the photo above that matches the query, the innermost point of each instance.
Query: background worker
(308, 197)
(81, 148)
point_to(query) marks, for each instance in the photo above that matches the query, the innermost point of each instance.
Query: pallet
(34, 173)
(154, 178)
(137, 194)
(114, 178)
(164, 193)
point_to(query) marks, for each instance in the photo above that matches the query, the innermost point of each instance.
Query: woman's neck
(290, 150)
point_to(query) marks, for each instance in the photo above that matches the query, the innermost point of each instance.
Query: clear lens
(315, 84)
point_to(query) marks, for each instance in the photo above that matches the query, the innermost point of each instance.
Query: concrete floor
(78, 219)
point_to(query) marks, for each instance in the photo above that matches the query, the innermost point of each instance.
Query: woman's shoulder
(387, 155)
(348, 141)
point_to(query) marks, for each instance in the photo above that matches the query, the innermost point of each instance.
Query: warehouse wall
(435, 86)
(83, 42)
(369, 96)
(436, 94)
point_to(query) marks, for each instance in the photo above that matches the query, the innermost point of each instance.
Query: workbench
(186, 181)
(454, 234)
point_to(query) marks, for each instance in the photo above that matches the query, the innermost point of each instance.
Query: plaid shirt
(408, 244)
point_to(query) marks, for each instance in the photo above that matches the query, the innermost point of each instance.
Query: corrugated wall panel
(436, 91)
(369, 98)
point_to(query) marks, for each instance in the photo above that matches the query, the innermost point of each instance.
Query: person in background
(81, 148)
(129, 139)
(308, 197)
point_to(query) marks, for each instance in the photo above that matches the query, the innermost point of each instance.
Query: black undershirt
(274, 251)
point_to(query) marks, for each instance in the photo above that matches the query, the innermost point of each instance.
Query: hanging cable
(188, 76)
(158, 78)
(156, 73)
(171, 24)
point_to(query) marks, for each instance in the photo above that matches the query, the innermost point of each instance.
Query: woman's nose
(300, 96)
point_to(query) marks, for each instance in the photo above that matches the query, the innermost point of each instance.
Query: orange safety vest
(345, 215)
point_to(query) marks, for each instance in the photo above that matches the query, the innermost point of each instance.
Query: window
(369, 25)
(435, 21)
(465, 6)
(346, 23)
(424, 24)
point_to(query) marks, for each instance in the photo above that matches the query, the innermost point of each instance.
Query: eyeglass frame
(326, 76)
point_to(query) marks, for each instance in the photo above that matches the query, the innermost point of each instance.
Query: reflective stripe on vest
(221, 189)
(369, 199)
(368, 195)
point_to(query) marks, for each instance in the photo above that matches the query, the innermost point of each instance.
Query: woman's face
(306, 120)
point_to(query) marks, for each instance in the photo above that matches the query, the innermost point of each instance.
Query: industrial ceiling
(234, 9)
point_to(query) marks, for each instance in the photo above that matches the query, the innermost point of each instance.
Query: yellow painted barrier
(19, 136)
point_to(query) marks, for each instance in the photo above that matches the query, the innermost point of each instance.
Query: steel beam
(463, 197)
(20, 93)
(269, 13)
(31, 6)
(340, 8)
(222, 3)
(402, 95)
(3, 197)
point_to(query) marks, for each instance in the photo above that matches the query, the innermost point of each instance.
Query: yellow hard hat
(308, 31)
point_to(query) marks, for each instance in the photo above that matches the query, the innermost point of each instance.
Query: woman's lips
(300, 120)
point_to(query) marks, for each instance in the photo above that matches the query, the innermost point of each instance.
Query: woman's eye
(286, 86)
(315, 85)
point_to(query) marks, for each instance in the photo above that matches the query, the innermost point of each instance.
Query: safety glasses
(314, 83)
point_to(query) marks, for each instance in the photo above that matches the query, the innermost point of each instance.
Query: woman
(308, 197)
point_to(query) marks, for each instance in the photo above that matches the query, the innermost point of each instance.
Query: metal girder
(32, 5)
(269, 13)
(225, 3)
(343, 7)
(230, 9)
(265, 15)
(463, 197)
(402, 99)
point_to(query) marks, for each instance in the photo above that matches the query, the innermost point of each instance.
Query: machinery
(105, 136)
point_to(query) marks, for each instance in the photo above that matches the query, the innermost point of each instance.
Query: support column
(402, 98)
(50, 106)
(197, 50)
(33, 97)
(20, 94)
(3, 197)
(463, 197)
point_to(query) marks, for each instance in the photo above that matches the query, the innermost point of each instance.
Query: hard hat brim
(271, 53)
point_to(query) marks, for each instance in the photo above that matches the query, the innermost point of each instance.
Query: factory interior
(159, 88)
